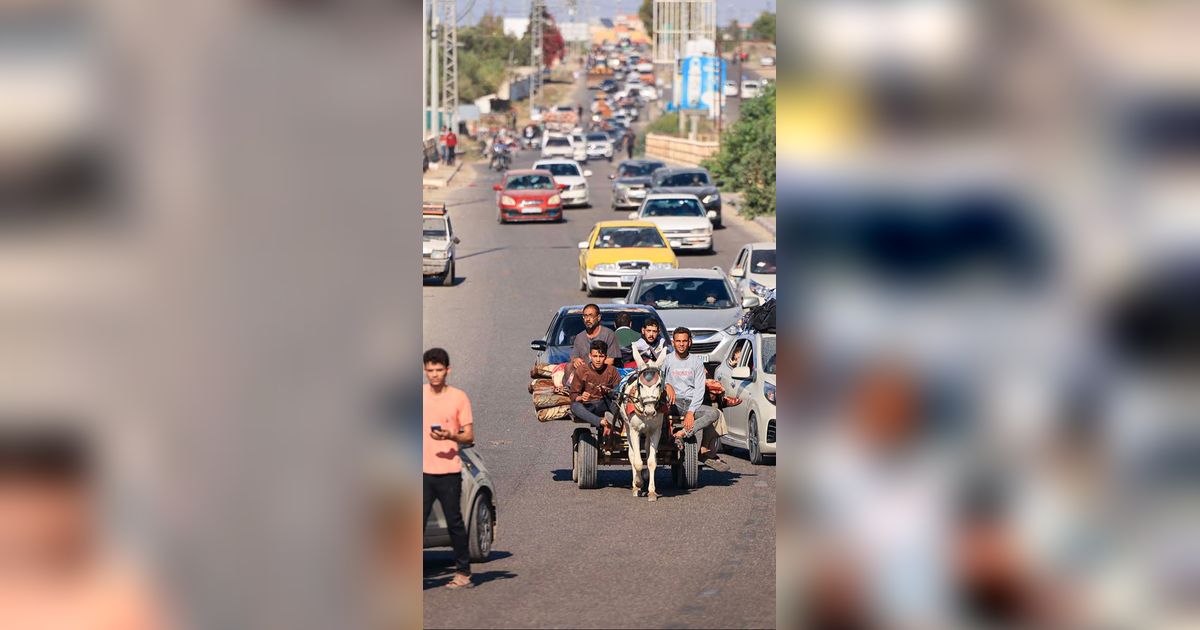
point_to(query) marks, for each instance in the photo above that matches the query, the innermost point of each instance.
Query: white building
(516, 27)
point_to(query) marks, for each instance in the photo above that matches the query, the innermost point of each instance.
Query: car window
(762, 261)
(433, 228)
(560, 170)
(672, 208)
(571, 324)
(558, 142)
(530, 182)
(639, 170)
(741, 259)
(707, 293)
(737, 356)
(696, 178)
(618, 237)
(597, 137)
(768, 355)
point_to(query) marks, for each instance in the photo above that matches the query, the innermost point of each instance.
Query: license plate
(675, 243)
(531, 210)
(628, 278)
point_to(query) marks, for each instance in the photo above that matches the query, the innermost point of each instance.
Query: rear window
(560, 170)
(762, 261)
(530, 182)
(696, 178)
(572, 324)
(558, 142)
(597, 137)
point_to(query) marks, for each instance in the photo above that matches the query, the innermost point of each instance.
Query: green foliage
(747, 158)
(646, 13)
(484, 57)
(764, 27)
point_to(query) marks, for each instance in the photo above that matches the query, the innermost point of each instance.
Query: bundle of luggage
(549, 391)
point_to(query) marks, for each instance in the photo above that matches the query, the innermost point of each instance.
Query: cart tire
(482, 531)
(587, 453)
(753, 449)
(575, 457)
(690, 469)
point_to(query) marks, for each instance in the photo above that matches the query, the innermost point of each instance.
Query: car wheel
(752, 446)
(582, 281)
(448, 278)
(482, 532)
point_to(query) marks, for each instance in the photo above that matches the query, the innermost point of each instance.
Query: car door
(740, 263)
(736, 415)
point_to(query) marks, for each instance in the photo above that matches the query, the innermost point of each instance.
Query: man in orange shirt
(448, 423)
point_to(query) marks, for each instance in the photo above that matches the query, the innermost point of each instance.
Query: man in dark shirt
(592, 387)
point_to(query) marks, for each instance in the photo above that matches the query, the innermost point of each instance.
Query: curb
(764, 225)
(768, 223)
(440, 180)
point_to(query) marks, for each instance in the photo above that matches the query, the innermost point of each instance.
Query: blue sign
(701, 79)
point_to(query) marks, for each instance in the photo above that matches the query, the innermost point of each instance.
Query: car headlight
(555, 200)
(733, 329)
(711, 198)
(606, 267)
(439, 254)
(665, 265)
(701, 231)
(508, 201)
(769, 392)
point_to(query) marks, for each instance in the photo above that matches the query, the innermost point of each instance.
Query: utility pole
(450, 61)
(536, 56)
(425, 125)
(434, 74)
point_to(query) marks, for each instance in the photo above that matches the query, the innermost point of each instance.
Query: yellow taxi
(617, 251)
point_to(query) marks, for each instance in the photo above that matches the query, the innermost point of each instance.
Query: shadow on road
(482, 252)
(622, 478)
(457, 281)
(439, 568)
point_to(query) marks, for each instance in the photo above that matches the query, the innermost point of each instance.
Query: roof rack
(433, 207)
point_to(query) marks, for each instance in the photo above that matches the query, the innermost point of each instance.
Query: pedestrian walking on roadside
(451, 146)
(447, 423)
(630, 141)
(442, 144)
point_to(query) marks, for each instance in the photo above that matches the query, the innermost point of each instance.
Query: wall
(679, 150)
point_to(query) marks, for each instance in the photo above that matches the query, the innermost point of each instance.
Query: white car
(645, 67)
(767, 62)
(599, 146)
(750, 89)
(579, 147)
(731, 88)
(649, 93)
(681, 218)
(747, 371)
(570, 174)
(754, 269)
(557, 146)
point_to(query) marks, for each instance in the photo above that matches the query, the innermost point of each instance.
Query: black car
(608, 85)
(631, 181)
(555, 347)
(690, 181)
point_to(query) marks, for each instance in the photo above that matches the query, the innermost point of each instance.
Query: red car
(529, 195)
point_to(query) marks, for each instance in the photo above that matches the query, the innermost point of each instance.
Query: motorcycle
(501, 158)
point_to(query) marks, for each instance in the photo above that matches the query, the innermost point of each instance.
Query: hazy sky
(744, 10)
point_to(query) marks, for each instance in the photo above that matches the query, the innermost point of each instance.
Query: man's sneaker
(716, 464)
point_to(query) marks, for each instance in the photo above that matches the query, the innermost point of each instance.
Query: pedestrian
(451, 145)
(447, 424)
(592, 386)
(630, 141)
(442, 144)
(685, 378)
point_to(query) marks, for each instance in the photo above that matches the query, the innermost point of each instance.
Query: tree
(485, 55)
(554, 47)
(646, 13)
(764, 27)
(747, 157)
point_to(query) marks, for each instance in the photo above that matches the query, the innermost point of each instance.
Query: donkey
(642, 398)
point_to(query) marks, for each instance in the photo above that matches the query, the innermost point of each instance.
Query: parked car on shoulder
(570, 174)
(437, 244)
(615, 252)
(478, 509)
(529, 195)
(692, 181)
(747, 371)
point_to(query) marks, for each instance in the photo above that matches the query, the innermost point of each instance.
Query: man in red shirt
(448, 423)
(451, 145)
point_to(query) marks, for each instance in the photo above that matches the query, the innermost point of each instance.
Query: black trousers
(447, 489)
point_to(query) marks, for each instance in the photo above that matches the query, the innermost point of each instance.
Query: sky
(744, 10)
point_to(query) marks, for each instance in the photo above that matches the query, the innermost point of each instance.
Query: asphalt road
(566, 557)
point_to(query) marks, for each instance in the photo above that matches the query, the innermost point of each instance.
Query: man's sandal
(460, 581)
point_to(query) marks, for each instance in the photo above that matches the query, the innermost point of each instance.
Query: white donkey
(641, 398)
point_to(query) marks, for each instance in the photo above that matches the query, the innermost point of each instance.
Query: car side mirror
(497, 187)
(587, 173)
(633, 216)
(750, 301)
(740, 373)
(738, 272)
(538, 345)
(456, 240)
(712, 215)
(583, 245)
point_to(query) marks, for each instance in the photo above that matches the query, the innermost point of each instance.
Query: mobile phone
(436, 427)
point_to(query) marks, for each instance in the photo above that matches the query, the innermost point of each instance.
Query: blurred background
(207, 296)
(991, 228)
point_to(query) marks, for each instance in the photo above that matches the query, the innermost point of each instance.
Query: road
(566, 557)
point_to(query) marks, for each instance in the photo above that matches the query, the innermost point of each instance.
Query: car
(599, 145)
(555, 346)
(478, 509)
(570, 174)
(754, 269)
(750, 88)
(622, 120)
(645, 67)
(557, 146)
(681, 218)
(767, 61)
(703, 300)
(731, 88)
(692, 181)
(528, 195)
(747, 371)
(564, 109)
(648, 93)
(608, 85)
(615, 133)
(437, 244)
(616, 251)
(579, 147)
(630, 182)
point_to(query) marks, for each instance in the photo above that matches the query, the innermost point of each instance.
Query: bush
(747, 158)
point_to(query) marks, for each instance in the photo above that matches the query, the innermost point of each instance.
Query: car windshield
(618, 237)
(561, 169)
(768, 354)
(432, 227)
(571, 324)
(530, 182)
(638, 170)
(696, 178)
(685, 293)
(672, 208)
(763, 261)
(558, 142)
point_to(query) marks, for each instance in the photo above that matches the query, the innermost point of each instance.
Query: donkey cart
(590, 449)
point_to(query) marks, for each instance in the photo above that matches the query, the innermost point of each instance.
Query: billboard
(700, 82)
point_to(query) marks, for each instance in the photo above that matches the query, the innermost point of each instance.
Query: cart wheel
(575, 457)
(482, 531)
(690, 467)
(587, 454)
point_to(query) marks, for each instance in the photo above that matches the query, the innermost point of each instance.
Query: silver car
(478, 509)
(754, 269)
(703, 300)
(748, 372)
